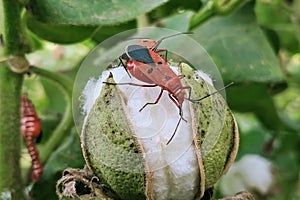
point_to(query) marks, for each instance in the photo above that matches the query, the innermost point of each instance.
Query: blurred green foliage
(256, 46)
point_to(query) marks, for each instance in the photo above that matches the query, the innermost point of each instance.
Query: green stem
(10, 93)
(10, 137)
(224, 7)
(213, 8)
(13, 34)
(142, 21)
(205, 13)
(67, 121)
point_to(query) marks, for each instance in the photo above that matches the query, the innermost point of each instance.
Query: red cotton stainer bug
(144, 62)
(31, 130)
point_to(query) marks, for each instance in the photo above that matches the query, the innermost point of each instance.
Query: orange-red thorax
(149, 43)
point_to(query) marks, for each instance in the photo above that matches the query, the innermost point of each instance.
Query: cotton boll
(91, 92)
(204, 76)
(125, 145)
(251, 173)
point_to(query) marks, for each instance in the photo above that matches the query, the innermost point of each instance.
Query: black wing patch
(139, 53)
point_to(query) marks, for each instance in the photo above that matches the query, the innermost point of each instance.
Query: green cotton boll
(127, 148)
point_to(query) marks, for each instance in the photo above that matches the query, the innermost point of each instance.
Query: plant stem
(10, 95)
(226, 6)
(214, 8)
(13, 35)
(10, 137)
(205, 13)
(67, 121)
(142, 21)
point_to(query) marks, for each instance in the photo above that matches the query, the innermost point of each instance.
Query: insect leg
(174, 130)
(197, 100)
(189, 93)
(156, 101)
(180, 113)
(121, 63)
(178, 105)
(165, 57)
(134, 84)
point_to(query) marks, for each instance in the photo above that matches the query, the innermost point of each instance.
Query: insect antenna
(208, 95)
(154, 48)
(138, 38)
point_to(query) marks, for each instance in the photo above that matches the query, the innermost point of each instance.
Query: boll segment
(127, 149)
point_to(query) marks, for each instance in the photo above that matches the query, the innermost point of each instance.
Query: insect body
(31, 130)
(148, 66)
(144, 63)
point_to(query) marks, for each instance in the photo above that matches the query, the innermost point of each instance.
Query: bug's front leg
(124, 56)
(133, 84)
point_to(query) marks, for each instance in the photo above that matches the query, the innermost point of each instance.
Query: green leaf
(174, 8)
(105, 32)
(179, 22)
(59, 33)
(93, 12)
(60, 58)
(288, 101)
(287, 163)
(253, 135)
(293, 68)
(255, 98)
(243, 55)
(281, 17)
(239, 48)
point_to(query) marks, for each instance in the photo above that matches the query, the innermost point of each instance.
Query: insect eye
(130, 65)
(159, 63)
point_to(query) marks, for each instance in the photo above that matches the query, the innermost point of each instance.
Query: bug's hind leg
(177, 125)
(181, 115)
